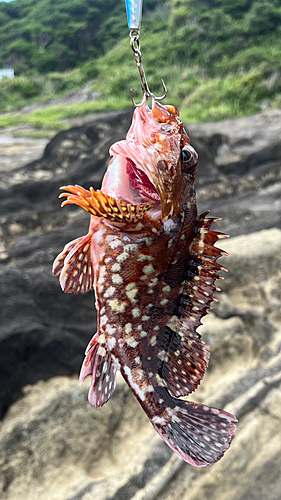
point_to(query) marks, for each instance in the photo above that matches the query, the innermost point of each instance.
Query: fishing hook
(135, 44)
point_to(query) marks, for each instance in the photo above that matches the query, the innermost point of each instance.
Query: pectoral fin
(74, 266)
(101, 205)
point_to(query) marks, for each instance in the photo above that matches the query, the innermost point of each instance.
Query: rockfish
(152, 263)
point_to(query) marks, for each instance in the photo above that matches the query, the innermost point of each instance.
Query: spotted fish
(152, 263)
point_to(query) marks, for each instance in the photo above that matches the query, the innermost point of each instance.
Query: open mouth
(140, 182)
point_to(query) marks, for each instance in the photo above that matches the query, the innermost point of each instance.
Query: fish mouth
(140, 182)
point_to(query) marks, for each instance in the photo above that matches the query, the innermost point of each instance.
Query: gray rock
(53, 444)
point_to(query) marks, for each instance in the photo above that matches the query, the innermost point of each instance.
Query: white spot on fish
(148, 242)
(148, 269)
(103, 320)
(116, 267)
(158, 420)
(128, 328)
(142, 257)
(160, 381)
(132, 247)
(164, 302)
(102, 337)
(130, 286)
(117, 279)
(153, 340)
(153, 282)
(109, 292)
(102, 351)
(110, 329)
(131, 342)
(115, 243)
(136, 312)
(122, 257)
(111, 342)
(166, 288)
(145, 318)
(117, 306)
(131, 295)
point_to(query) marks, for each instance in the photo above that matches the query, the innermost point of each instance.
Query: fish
(152, 262)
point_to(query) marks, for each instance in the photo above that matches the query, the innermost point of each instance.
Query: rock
(53, 443)
(240, 174)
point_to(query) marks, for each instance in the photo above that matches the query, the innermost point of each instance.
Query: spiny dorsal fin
(186, 359)
(101, 205)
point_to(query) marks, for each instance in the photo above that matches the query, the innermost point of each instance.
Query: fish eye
(186, 155)
(189, 159)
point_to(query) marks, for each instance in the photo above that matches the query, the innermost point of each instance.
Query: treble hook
(135, 44)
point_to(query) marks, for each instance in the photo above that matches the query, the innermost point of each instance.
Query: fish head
(154, 163)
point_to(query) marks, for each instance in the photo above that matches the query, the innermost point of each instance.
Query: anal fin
(74, 266)
(98, 363)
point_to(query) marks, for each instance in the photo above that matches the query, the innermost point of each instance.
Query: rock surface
(53, 444)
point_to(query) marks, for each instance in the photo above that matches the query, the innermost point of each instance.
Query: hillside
(218, 58)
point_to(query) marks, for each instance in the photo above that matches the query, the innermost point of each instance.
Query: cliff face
(54, 445)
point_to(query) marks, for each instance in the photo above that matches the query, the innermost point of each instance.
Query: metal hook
(135, 44)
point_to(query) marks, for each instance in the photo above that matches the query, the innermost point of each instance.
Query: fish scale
(153, 264)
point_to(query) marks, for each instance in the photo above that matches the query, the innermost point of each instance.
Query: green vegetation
(218, 58)
(50, 117)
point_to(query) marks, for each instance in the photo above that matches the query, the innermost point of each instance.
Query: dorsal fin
(101, 205)
(186, 358)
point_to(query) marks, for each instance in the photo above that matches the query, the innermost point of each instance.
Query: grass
(51, 118)
(239, 87)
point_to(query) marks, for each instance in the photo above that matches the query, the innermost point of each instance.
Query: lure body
(152, 263)
(134, 13)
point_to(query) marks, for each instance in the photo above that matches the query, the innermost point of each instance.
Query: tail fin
(200, 435)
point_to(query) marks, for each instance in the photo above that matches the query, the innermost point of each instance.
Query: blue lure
(134, 13)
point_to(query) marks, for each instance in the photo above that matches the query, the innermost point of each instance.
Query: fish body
(152, 263)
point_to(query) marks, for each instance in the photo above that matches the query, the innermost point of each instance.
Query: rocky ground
(54, 445)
